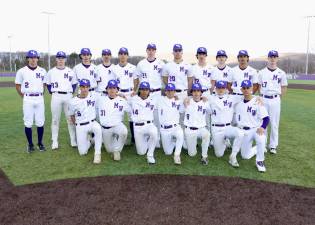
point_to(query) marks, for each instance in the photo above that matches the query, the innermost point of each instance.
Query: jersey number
(171, 78)
(135, 112)
(102, 112)
(187, 116)
(54, 85)
(78, 113)
(27, 85)
(264, 84)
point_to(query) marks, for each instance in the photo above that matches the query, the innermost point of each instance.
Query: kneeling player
(253, 119)
(146, 133)
(83, 113)
(168, 111)
(195, 123)
(110, 111)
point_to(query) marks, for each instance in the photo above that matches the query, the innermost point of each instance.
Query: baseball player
(142, 106)
(105, 71)
(221, 70)
(222, 109)
(83, 114)
(168, 110)
(61, 83)
(29, 84)
(273, 85)
(195, 123)
(243, 72)
(111, 109)
(253, 119)
(124, 73)
(86, 69)
(150, 70)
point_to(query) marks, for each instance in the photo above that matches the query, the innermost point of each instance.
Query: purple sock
(40, 133)
(28, 133)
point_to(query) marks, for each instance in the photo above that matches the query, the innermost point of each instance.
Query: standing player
(61, 83)
(243, 72)
(29, 84)
(86, 69)
(83, 114)
(168, 111)
(273, 85)
(142, 107)
(105, 71)
(111, 110)
(124, 74)
(221, 70)
(150, 70)
(253, 119)
(195, 124)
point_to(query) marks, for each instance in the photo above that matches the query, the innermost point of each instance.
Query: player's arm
(255, 88)
(165, 74)
(229, 87)
(284, 84)
(18, 83)
(283, 90)
(212, 85)
(18, 89)
(135, 84)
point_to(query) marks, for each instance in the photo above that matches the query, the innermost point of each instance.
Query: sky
(257, 26)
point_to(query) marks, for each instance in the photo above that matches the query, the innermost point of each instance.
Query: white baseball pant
(191, 140)
(168, 142)
(114, 138)
(60, 102)
(145, 138)
(155, 96)
(33, 108)
(83, 140)
(247, 150)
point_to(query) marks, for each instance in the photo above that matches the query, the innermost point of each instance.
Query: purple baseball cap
(221, 84)
(123, 50)
(202, 50)
(151, 46)
(177, 47)
(61, 54)
(221, 53)
(242, 53)
(32, 54)
(246, 83)
(85, 51)
(273, 53)
(106, 52)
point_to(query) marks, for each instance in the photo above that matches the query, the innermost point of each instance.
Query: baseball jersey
(222, 74)
(31, 80)
(271, 81)
(195, 113)
(124, 75)
(168, 110)
(177, 74)
(141, 109)
(222, 108)
(87, 72)
(203, 75)
(250, 114)
(151, 72)
(105, 73)
(238, 75)
(111, 111)
(61, 79)
(83, 108)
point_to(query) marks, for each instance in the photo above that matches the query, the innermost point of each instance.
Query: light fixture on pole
(308, 41)
(48, 34)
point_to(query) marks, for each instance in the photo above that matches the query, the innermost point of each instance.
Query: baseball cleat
(150, 159)
(30, 148)
(261, 166)
(177, 160)
(204, 161)
(233, 161)
(74, 144)
(54, 146)
(97, 159)
(41, 147)
(116, 156)
(273, 151)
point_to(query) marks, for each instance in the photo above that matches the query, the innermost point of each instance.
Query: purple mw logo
(37, 75)
(65, 75)
(199, 108)
(90, 102)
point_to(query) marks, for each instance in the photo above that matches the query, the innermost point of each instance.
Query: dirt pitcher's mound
(155, 199)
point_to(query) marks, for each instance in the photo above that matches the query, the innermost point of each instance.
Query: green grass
(294, 164)
(2, 79)
(301, 82)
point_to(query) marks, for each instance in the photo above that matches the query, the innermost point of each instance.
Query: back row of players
(108, 82)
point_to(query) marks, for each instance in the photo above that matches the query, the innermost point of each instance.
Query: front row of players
(246, 112)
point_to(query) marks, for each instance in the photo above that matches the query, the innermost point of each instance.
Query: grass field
(294, 164)
(301, 82)
(7, 79)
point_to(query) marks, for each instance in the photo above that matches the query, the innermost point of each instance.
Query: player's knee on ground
(218, 152)
(82, 150)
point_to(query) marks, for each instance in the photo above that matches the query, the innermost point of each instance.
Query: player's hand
(176, 97)
(204, 99)
(122, 95)
(260, 101)
(260, 131)
(133, 93)
(22, 95)
(186, 102)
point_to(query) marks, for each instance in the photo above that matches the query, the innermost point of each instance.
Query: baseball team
(168, 105)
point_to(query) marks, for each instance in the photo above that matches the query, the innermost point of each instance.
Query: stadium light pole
(308, 41)
(9, 37)
(48, 34)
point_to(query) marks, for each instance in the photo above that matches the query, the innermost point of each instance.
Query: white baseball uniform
(85, 113)
(238, 75)
(87, 72)
(105, 74)
(125, 76)
(222, 110)
(61, 81)
(168, 111)
(249, 117)
(203, 75)
(144, 129)
(195, 126)
(32, 86)
(270, 88)
(111, 115)
(222, 74)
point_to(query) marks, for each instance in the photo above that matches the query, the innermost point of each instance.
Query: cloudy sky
(231, 25)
